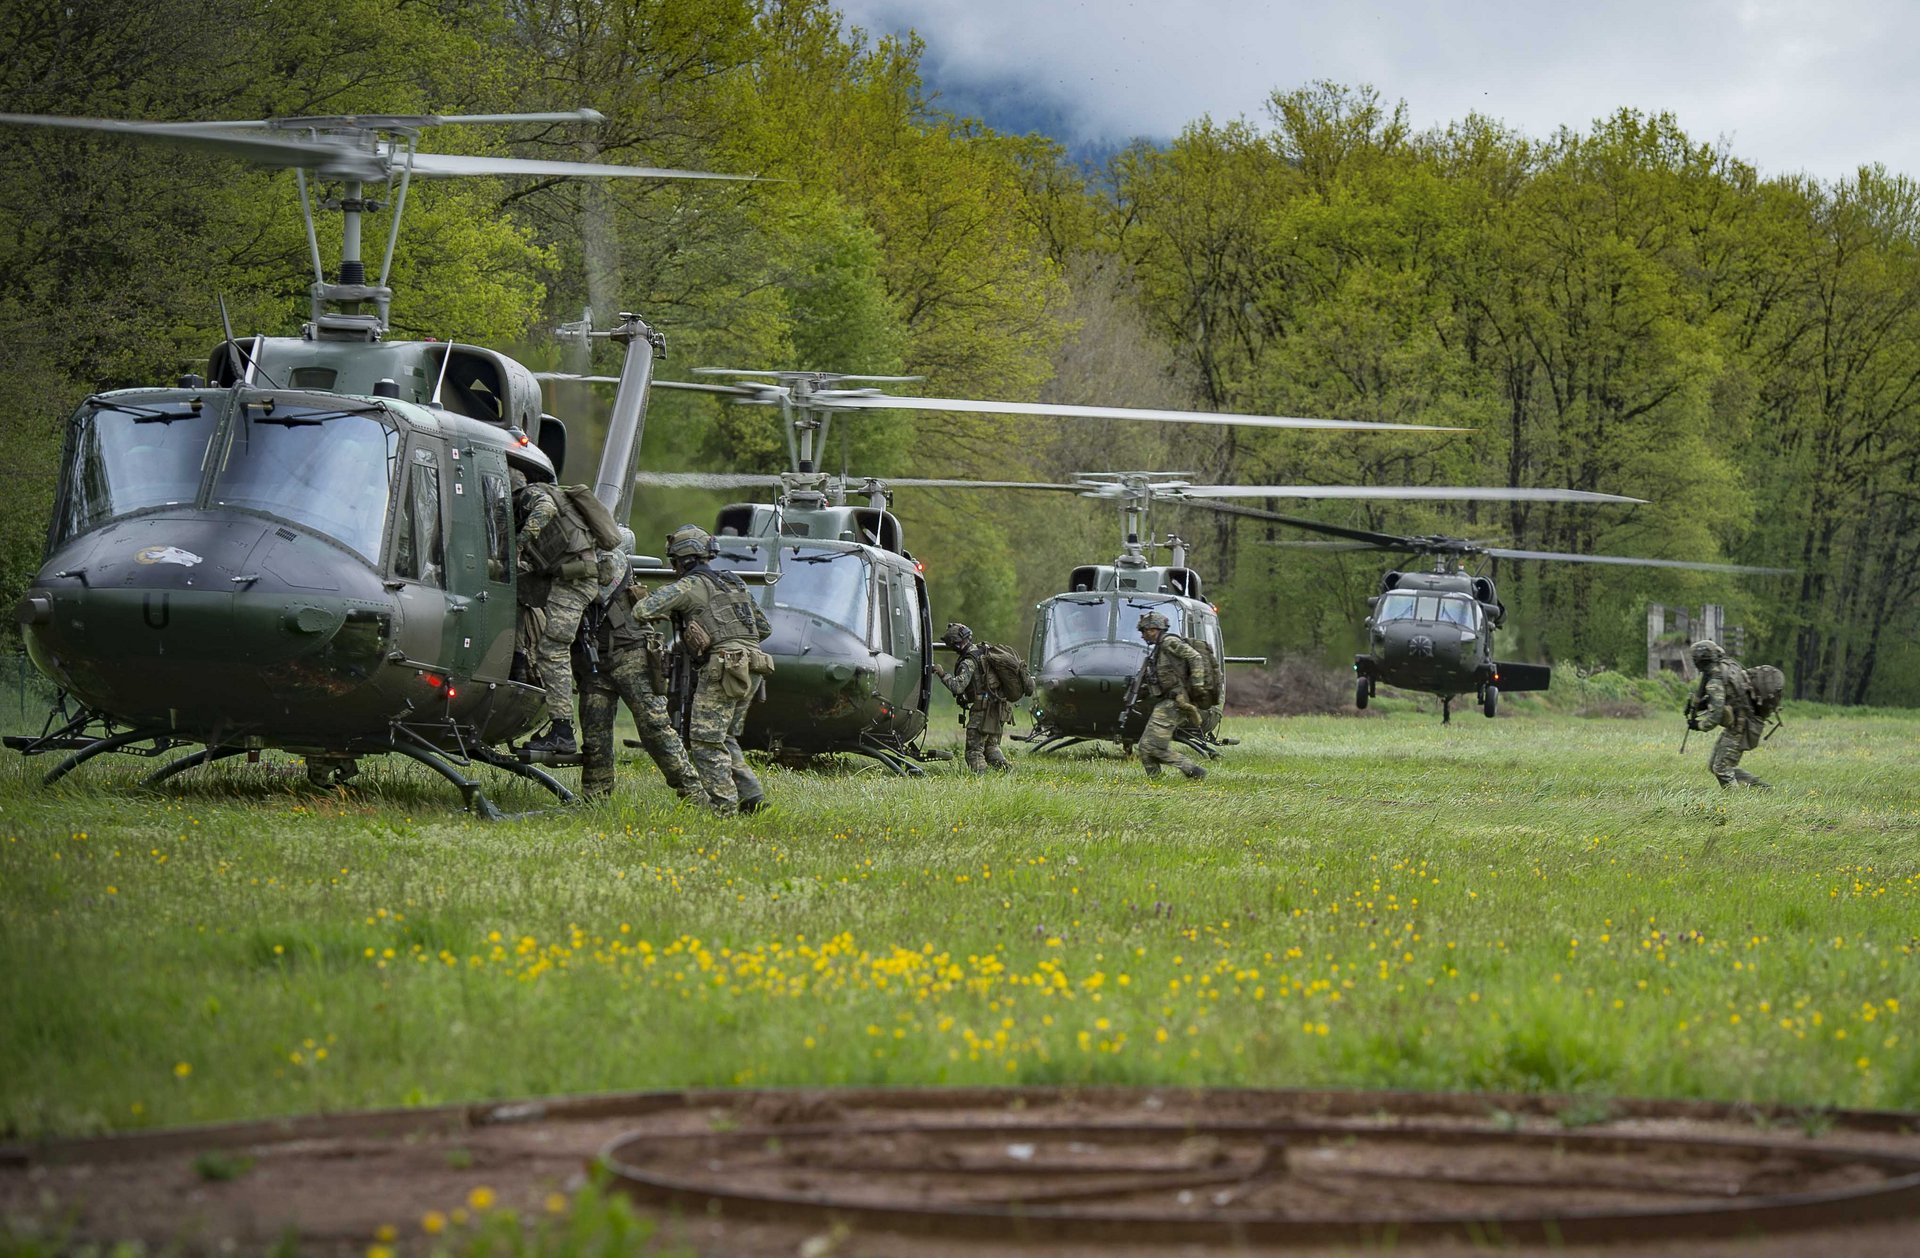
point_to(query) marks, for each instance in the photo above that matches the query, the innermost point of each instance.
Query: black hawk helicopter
(852, 627)
(1433, 631)
(1086, 651)
(313, 550)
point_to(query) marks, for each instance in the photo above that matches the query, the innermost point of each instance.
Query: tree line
(1620, 308)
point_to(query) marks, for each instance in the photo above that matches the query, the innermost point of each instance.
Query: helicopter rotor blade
(1503, 552)
(937, 483)
(1382, 541)
(730, 390)
(864, 401)
(352, 151)
(1321, 544)
(1407, 493)
(330, 155)
(455, 165)
(706, 480)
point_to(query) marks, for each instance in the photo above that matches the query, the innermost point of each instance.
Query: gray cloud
(1791, 86)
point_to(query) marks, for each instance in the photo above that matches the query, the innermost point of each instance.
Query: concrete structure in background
(1671, 630)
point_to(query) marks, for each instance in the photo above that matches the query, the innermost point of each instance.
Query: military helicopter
(1433, 631)
(852, 627)
(313, 550)
(1086, 652)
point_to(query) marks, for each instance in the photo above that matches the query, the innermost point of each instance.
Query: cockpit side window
(419, 552)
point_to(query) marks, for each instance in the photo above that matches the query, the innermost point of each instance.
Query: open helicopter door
(1512, 677)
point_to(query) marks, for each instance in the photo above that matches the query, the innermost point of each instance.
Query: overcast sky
(1821, 86)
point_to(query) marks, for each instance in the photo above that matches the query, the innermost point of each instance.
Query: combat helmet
(1706, 653)
(957, 636)
(1152, 620)
(691, 543)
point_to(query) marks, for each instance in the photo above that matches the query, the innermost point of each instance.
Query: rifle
(680, 689)
(1695, 702)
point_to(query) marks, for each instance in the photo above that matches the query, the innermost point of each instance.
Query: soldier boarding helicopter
(1433, 631)
(315, 550)
(852, 629)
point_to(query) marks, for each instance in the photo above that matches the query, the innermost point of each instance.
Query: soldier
(720, 628)
(1723, 702)
(557, 573)
(987, 711)
(1171, 666)
(627, 660)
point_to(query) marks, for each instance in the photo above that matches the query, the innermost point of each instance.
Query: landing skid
(72, 737)
(895, 758)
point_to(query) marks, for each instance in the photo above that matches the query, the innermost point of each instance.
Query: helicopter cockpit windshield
(831, 584)
(327, 470)
(1071, 623)
(1453, 609)
(125, 456)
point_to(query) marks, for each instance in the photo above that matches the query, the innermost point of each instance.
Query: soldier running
(1171, 667)
(627, 660)
(987, 711)
(1722, 702)
(720, 628)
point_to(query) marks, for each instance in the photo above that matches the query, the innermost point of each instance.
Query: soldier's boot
(1151, 768)
(1743, 778)
(752, 804)
(558, 739)
(1195, 772)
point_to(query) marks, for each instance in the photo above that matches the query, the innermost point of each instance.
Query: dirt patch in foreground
(869, 1173)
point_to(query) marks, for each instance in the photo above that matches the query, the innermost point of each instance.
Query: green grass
(1544, 903)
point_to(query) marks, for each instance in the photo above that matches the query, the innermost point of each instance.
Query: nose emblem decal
(1422, 645)
(167, 554)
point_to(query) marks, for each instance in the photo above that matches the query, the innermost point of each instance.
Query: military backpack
(1766, 686)
(1205, 695)
(1005, 672)
(592, 515)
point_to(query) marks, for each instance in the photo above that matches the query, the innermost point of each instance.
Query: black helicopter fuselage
(851, 629)
(282, 568)
(1433, 632)
(1087, 648)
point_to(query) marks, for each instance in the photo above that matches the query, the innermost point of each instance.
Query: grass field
(1543, 903)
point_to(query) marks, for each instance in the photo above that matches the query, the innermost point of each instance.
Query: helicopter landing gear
(889, 756)
(520, 768)
(101, 746)
(1360, 693)
(477, 802)
(1446, 709)
(206, 755)
(1490, 699)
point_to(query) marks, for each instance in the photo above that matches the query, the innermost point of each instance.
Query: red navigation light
(434, 680)
(450, 692)
(919, 567)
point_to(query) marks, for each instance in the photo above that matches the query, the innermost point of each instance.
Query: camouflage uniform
(1163, 683)
(564, 564)
(629, 666)
(1722, 703)
(987, 712)
(720, 604)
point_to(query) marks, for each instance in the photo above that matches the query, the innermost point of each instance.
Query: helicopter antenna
(235, 355)
(442, 379)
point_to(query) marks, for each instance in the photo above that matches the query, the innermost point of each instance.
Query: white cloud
(1792, 85)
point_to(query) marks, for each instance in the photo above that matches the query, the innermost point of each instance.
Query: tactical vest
(1166, 672)
(727, 615)
(560, 539)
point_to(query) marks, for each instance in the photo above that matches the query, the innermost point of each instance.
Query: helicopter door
(469, 560)
(420, 558)
(494, 613)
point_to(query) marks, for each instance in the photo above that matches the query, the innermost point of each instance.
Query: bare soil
(1124, 1169)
